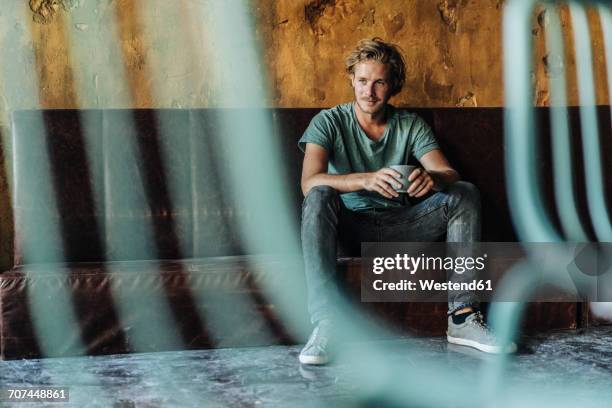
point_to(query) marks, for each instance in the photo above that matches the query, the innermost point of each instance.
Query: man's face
(372, 88)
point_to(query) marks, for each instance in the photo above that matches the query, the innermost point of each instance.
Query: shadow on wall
(6, 213)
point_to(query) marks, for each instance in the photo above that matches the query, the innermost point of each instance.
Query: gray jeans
(454, 213)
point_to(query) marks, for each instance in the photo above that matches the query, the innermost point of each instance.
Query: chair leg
(582, 315)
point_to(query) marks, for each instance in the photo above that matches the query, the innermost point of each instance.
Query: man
(350, 193)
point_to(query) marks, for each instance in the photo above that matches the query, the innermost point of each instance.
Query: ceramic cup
(405, 171)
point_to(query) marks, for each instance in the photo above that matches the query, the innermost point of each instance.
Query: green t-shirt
(351, 151)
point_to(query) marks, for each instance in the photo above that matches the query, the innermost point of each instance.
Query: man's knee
(321, 194)
(465, 192)
(320, 197)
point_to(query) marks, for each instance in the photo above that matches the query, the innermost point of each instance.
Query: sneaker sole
(482, 347)
(311, 360)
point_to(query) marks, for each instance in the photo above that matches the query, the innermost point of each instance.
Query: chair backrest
(95, 185)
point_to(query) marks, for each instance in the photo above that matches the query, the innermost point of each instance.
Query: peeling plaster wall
(453, 50)
(157, 53)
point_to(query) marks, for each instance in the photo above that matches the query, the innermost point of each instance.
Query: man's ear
(351, 79)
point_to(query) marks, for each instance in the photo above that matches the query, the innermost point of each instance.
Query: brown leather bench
(203, 261)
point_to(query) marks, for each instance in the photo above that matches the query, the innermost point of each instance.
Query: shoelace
(480, 323)
(319, 340)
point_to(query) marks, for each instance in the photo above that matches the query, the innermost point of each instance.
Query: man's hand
(421, 183)
(383, 181)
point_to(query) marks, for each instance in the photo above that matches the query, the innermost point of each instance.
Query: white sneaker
(475, 333)
(316, 351)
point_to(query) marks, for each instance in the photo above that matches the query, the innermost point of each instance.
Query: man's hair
(376, 49)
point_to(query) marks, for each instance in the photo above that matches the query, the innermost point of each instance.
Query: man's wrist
(443, 180)
(361, 180)
(354, 182)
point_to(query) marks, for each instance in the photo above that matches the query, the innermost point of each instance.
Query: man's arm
(314, 173)
(436, 174)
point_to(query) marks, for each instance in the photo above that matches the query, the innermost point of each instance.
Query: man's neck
(369, 120)
(372, 124)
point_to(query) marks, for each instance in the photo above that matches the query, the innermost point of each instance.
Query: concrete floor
(554, 369)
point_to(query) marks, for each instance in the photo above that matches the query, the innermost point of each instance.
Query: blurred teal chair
(525, 193)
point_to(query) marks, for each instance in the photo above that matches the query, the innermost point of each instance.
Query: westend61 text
(411, 264)
(430, 284)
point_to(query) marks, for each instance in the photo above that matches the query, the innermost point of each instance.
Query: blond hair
(376, 49)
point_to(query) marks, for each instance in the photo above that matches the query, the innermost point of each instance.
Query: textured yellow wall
(453, 49)
(160, 53)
